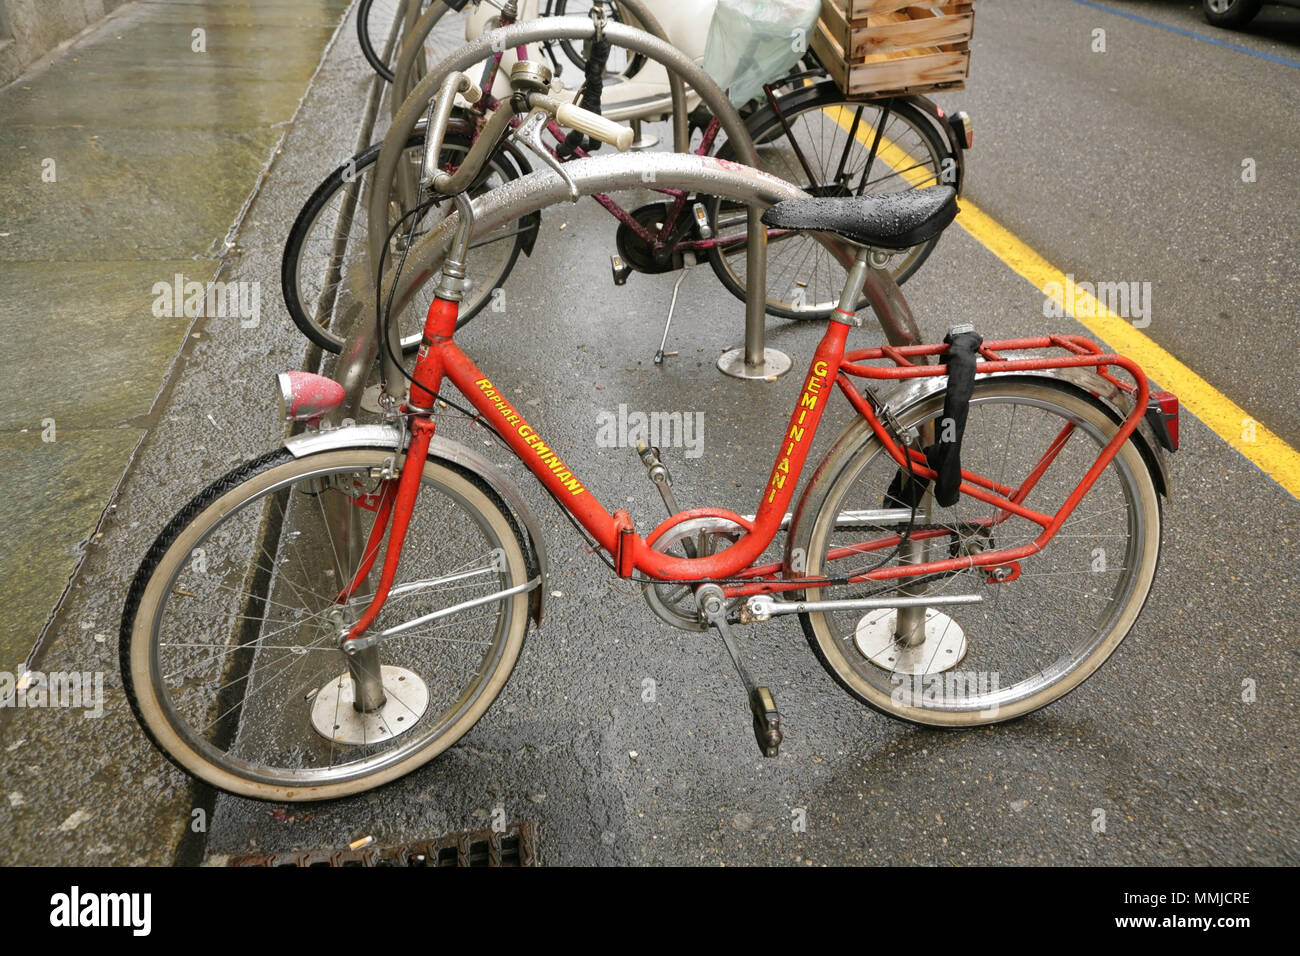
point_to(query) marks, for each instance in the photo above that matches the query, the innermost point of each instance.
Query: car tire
(1230, 13)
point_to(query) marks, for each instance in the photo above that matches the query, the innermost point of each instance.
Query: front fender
(455, 455)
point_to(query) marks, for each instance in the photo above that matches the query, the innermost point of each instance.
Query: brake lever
(529, 133)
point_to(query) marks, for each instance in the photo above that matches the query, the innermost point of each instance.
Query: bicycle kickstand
(688, 263)
(767, 719)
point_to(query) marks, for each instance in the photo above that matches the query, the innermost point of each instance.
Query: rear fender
(956, 148)
(1115, 402)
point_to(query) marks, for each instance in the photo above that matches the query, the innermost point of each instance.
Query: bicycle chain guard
(674, 602)
(641, 255)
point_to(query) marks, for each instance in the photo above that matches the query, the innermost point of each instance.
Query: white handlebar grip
(595, 125)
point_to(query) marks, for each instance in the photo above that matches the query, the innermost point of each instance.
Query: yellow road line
(1220, 414)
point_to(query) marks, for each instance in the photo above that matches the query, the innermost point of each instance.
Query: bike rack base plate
(944, 646)
(775, 364)
(335, 719)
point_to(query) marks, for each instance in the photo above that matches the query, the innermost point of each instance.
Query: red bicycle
(337, 612)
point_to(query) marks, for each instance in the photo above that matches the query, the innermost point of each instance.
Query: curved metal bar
(412, 45)
(521, 34)
(528, 194)
(580, 28)
(413, 42)
(411, 62)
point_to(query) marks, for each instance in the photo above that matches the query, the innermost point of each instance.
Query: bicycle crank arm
(761, 606)
(767, 719)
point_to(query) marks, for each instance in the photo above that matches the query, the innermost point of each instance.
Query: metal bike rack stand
(599, 174)
(410, 60)
(410, 17)
(758, 362)
(414, 37)
(410, 52)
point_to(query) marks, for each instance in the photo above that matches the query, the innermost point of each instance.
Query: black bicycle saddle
(884, 220)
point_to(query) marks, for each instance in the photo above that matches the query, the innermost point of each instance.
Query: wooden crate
(892, 47)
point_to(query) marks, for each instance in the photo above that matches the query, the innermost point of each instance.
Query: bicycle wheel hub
(334, 717)
(944, 646)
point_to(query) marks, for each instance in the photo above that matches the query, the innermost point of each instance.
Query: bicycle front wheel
(230, 636)
(1037, 634)
(835, 147)
(376, 22)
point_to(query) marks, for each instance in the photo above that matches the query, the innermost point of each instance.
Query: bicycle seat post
(862, 263)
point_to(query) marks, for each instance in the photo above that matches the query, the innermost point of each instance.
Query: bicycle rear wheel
(230, 635)
(834, 157)
(1036, 636)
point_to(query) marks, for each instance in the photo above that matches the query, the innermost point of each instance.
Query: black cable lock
(944, 456)
(593, 88)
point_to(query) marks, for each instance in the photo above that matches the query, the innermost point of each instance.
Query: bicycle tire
(364, 38)
(275, 749)
(826, 275)
(1042, 604)
(311, 309)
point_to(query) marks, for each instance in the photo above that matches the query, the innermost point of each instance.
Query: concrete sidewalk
(140, 154)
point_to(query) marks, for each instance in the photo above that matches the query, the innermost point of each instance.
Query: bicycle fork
(362, 651)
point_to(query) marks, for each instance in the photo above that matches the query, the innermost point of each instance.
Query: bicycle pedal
(767, 722)
(620, 269)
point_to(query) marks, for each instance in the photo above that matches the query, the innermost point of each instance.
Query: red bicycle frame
(440, 358)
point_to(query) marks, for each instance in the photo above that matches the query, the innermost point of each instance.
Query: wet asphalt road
(1128, 165)
(1160, 740)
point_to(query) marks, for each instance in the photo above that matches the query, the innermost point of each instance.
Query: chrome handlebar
(566, 114)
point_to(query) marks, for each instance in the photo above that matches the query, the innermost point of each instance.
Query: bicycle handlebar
(566, 114)
(439, 115)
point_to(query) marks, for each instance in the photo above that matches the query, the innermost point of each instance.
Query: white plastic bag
(752, 42)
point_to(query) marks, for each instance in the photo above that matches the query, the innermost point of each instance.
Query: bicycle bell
(529, 76)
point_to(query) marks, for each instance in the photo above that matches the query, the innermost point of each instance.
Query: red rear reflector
(1168, 403)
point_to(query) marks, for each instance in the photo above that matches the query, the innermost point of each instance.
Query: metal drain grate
(517, 846)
